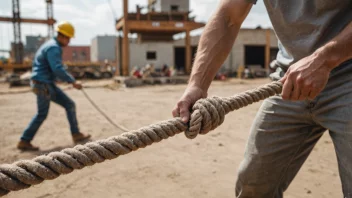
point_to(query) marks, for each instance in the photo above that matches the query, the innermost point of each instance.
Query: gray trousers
(285, 132)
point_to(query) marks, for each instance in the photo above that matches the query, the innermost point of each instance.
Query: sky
(96, 17)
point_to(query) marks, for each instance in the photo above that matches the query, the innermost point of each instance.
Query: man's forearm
(216, 41)
(338, 50)
(214, 46)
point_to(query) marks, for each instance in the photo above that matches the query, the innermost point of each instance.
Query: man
(47, 65)
(315, 67)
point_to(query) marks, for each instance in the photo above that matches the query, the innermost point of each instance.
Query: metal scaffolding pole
(16, 20)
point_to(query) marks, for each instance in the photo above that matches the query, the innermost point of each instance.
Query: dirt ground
(177, 167)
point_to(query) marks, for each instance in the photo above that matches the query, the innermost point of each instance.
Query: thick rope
(207, 115)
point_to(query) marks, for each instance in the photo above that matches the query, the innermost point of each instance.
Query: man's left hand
(305, 79)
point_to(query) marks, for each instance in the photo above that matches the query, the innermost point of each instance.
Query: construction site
(132, 79)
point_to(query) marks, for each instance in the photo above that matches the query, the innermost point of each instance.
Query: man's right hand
(77, 85)
(185, 103)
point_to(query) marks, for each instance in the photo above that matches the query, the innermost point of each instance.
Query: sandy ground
(173, 168)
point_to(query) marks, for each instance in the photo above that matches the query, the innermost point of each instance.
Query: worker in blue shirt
(47, 67)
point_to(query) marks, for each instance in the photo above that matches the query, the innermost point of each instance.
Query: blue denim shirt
(47, 64)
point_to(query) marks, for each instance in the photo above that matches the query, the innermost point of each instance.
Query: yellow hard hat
(66, 29)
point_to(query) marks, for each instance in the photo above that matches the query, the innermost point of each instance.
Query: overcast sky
(95, 17)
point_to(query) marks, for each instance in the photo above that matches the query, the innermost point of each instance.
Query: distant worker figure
(47, 66)
(166, 71)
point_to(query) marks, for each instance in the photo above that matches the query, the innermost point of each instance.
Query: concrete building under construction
(155, 44)
(155, 30)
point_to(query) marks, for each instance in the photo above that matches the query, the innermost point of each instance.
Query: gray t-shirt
(302, 26)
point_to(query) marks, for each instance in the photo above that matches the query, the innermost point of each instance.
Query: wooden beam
(29, 20)
(267, 49)
(125, 42)
(175, 13)
(188, 52)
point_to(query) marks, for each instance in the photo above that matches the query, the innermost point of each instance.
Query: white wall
(165, 5)
(181, 42)
(164, 54)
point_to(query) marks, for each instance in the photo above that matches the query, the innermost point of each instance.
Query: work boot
(80, 137)
(26, 146)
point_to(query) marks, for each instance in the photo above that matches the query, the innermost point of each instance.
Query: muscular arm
(217, 40)
(309, 76)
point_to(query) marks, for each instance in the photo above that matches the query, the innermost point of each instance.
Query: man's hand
(306, 78)
(189, 97)
(77, 85)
